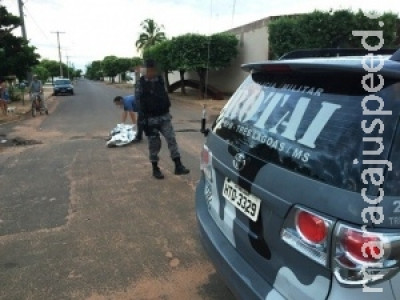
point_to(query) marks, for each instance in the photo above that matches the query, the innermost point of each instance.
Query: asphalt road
(82, 221)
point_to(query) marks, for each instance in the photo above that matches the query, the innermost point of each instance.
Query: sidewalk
(19, 111)
(213, 107)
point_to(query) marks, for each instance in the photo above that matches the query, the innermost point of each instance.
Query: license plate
(241, 199)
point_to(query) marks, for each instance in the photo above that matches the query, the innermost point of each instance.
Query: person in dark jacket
(154, 107)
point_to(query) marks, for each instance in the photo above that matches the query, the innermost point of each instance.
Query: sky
(94, 29)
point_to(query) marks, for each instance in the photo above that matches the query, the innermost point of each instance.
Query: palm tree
(151, 34)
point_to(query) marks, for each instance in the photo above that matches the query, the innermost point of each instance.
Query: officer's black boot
(179, 168)
(156, 171)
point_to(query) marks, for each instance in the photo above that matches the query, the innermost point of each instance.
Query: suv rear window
(308, 122)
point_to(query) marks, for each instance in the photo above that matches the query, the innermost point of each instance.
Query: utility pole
(21, 15)
(23, 31)
(59, 50)
(68, 65)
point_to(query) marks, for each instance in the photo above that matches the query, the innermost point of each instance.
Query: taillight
(311, 227)
(364, 257)
(204, 158)
(205, 163)
(356, 257)
(308, 233)
(356, 243)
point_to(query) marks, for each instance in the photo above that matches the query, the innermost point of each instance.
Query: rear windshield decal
(313, 129)
(288, 125)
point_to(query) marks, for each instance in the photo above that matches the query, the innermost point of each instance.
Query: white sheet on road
(121, 135)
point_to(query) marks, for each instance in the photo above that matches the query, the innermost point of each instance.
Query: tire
(47, 112)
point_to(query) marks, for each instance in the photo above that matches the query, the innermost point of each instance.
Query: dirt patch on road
(181, 284)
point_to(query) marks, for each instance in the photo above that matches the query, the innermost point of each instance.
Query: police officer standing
(154, 108)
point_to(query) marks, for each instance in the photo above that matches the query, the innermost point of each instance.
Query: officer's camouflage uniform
(161, 124)
(154, 106)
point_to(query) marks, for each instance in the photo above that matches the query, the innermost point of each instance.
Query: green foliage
(196, 52)
(128, 64)
(111, 66)
(52, 66)
(151, 35)
(42, 72)
(8, 22)
(16, 55)
(161, 54)
(15, 94)
(53, 69)
(137, 61)
(223, 48)
(94, 70)
(330, 29)
(124, 64)
(77, 73)
(189, 52)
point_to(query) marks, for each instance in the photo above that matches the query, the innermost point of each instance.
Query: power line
(36, 23)
(233, 12)
(208, 52)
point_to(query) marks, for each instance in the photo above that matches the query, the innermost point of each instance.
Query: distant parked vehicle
(22, 84)
(63, 86)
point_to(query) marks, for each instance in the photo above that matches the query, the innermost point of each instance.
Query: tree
(94, 71)
(111, 66)
(16, 55)
(160, 53)
(177, 57)
(151, 35)
(129, 64)
(330, 29)
(8, 22)
(77, 73)
(137, 61)
(53, 67)
(41, 72)
(125, 64)
(201, 53)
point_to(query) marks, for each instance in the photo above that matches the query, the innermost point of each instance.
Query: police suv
(299, 196)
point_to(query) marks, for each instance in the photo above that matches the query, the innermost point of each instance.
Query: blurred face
(151, 73)
(118, 103)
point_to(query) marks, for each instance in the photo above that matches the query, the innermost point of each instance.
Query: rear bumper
(242, 280)
(63, 91)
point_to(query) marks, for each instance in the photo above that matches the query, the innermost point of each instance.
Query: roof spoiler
(396, 56)
(335, 52)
